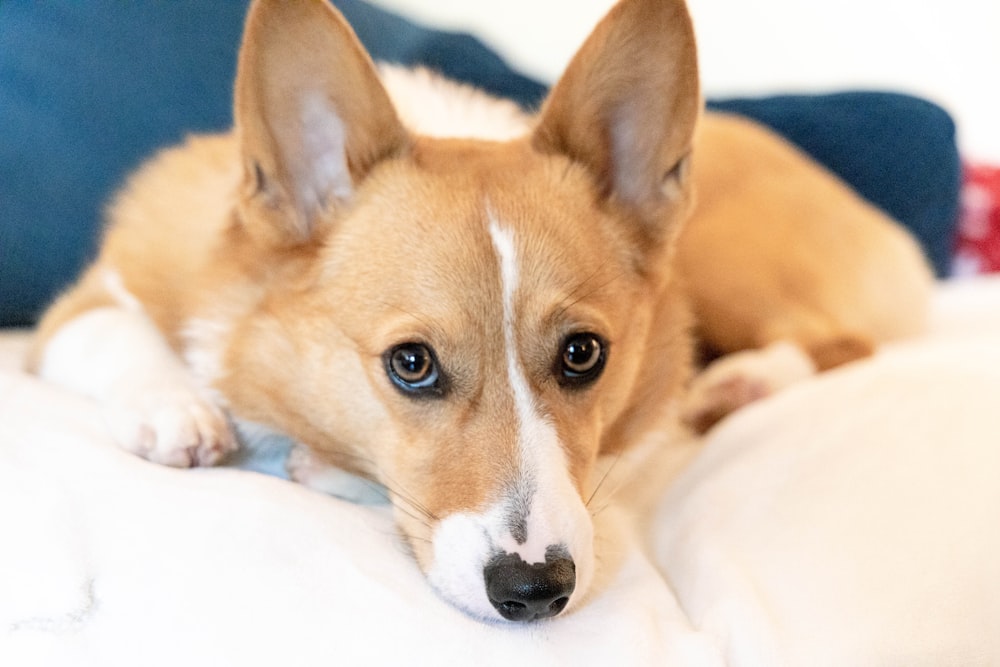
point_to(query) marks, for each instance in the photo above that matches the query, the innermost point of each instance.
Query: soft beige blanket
(852, 520)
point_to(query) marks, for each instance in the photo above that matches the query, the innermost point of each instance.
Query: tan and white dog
(429, 288)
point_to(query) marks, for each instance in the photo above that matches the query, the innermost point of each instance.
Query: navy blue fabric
(88, 90)
(898, 151)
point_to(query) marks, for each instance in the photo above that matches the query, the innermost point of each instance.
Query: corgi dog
(434, 290)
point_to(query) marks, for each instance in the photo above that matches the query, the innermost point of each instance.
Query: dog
(432, 289)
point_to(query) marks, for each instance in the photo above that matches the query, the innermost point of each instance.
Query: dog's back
(780, 249)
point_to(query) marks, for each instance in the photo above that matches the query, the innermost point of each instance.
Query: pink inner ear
(628, 103)
(321, 171)
(633, 158)
(311, 112)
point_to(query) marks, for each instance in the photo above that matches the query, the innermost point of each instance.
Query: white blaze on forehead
(539, 507)
(555, 513)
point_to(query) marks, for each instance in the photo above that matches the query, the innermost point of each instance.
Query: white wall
(948, 52)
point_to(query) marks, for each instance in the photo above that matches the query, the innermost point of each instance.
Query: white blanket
(852, 520)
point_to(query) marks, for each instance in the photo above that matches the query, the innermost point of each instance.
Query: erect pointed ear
(627, 106)
(311, 114)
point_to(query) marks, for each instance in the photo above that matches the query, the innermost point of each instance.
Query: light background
(947, 52)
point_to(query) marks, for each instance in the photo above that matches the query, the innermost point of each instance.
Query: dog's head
(471, 323)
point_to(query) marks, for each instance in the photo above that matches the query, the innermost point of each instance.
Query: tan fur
(305, 293)
(779, 249)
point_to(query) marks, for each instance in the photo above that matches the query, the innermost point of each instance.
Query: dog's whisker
(416, 517)
(414, 511)
(414, 506)
(392, 485)
(407, 312)
(604, 478)
(580, 285)
(569, 304)
(410, 499)
(600, 509)
(391, 491)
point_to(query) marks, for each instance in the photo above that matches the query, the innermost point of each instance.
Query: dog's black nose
(523, 592)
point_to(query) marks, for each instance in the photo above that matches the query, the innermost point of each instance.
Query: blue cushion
(898, 151)
(88, 90)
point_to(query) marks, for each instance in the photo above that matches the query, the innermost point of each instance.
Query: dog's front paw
(738, 379)
(170, 423)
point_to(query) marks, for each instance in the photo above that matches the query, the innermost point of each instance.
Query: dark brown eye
(413, 369)
(582, 361)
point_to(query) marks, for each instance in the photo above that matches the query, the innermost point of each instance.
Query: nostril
(558, 605)
(525, 592)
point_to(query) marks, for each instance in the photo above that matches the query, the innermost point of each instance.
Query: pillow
(898, 151)
(87, 91)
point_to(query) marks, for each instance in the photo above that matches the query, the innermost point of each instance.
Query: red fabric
(978, 248)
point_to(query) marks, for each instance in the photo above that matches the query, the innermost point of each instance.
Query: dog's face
(471, 323)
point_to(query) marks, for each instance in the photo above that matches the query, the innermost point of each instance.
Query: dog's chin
(463, 547)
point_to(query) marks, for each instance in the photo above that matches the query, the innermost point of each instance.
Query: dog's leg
(737, 379)
(783, 350)
(153, 406)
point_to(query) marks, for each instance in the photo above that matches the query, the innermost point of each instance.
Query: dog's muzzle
(527, 592)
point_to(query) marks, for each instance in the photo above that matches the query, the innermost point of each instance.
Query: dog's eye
(582, 360)
(413, 369)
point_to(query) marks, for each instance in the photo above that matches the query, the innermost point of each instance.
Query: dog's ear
(627, 106)
(311, 114)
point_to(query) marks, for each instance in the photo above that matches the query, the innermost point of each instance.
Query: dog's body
(471, 321)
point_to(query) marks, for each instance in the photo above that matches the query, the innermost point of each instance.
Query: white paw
(306, 468)
(171, 423)
(735, 380)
